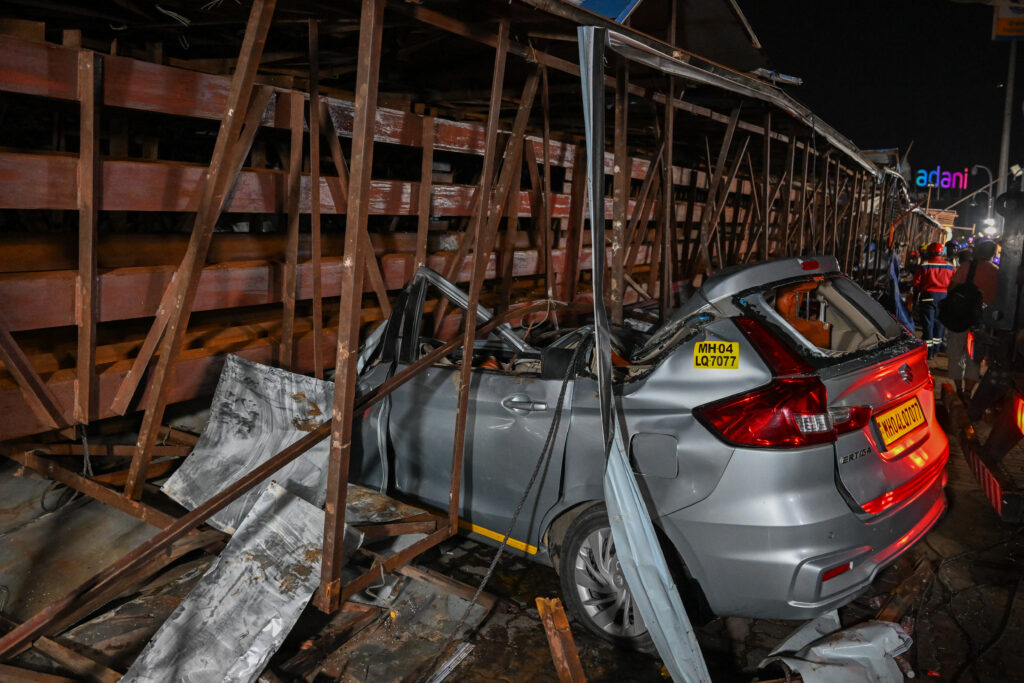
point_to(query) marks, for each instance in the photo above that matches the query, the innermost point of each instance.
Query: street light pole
(1004, 147)
(1002, 181)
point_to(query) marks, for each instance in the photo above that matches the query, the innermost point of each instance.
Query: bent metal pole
(648, 578)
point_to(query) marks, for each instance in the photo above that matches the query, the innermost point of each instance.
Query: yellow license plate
(716, 355)
(897, 422)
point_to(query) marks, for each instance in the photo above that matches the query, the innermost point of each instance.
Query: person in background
(931, 281)
(964, 370)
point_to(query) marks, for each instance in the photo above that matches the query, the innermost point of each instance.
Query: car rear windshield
(827, 316)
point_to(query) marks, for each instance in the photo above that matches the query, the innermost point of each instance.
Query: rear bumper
(774, 566)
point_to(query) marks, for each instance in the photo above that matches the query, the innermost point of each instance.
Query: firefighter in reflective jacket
(931, 280)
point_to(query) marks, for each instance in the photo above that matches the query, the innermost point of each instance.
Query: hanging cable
(545, 454)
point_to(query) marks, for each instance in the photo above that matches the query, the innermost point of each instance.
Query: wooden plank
(75, 662)
(192, 265)
(16, 674)
(328, 598)
(37, 394)
(286, 355)
(563, 648)
(424, 192)
(90, 91)
(314, 184)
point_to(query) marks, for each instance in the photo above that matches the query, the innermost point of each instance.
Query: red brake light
(836, 571)
(789, 412)
(850, 419)
(809, 265)
(1018, 409)
(780, 358)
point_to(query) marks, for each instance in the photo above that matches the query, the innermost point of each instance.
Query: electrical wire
(545, 454)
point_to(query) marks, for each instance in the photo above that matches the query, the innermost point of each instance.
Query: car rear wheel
(593, 585)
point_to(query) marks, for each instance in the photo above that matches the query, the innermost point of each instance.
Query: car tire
(593, 587)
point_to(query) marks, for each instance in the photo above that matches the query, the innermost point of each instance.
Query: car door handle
(521, 403)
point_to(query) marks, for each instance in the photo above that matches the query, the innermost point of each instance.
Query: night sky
(886, 73)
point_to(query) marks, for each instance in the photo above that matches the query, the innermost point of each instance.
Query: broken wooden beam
(563, 648)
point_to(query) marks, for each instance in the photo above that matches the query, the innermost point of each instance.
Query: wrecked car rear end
(795, 470)
(783, 454)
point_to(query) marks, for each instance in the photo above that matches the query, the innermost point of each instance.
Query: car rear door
(508, 421)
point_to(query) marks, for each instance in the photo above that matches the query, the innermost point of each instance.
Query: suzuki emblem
(906, 373)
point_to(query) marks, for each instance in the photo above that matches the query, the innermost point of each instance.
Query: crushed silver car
(781, 423)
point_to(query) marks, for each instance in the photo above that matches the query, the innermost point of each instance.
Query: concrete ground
(966, 622)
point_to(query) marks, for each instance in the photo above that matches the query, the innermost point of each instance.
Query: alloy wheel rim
(602, 589)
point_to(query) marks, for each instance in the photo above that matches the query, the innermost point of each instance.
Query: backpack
(961, 309)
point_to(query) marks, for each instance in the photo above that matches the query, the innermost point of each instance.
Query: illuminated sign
(1007, 21)
(940, 178)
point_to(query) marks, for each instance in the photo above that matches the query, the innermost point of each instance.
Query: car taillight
(788, 412)
(849, 418)
(1018, 410)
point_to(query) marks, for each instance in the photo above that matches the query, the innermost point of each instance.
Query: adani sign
(940, 178)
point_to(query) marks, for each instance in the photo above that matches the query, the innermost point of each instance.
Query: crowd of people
(940, 269)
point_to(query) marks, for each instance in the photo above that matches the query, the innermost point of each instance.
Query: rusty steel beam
(620, 190)
(51, 470)
(37, 181)
(703, 255)
(371, 27)
(46, 300)
(549, 242)
(574, 224)
(90, 93)
(339, 189)
(192, 264)
(48, 70)
(124, 396)
(803, 200)
(507, 251)
(37, 395)
(314, 185)
(667, 222)
(286, 356)
(424, 192)
(483, 238)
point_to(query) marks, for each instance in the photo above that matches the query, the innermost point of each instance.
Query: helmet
(935, 248)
